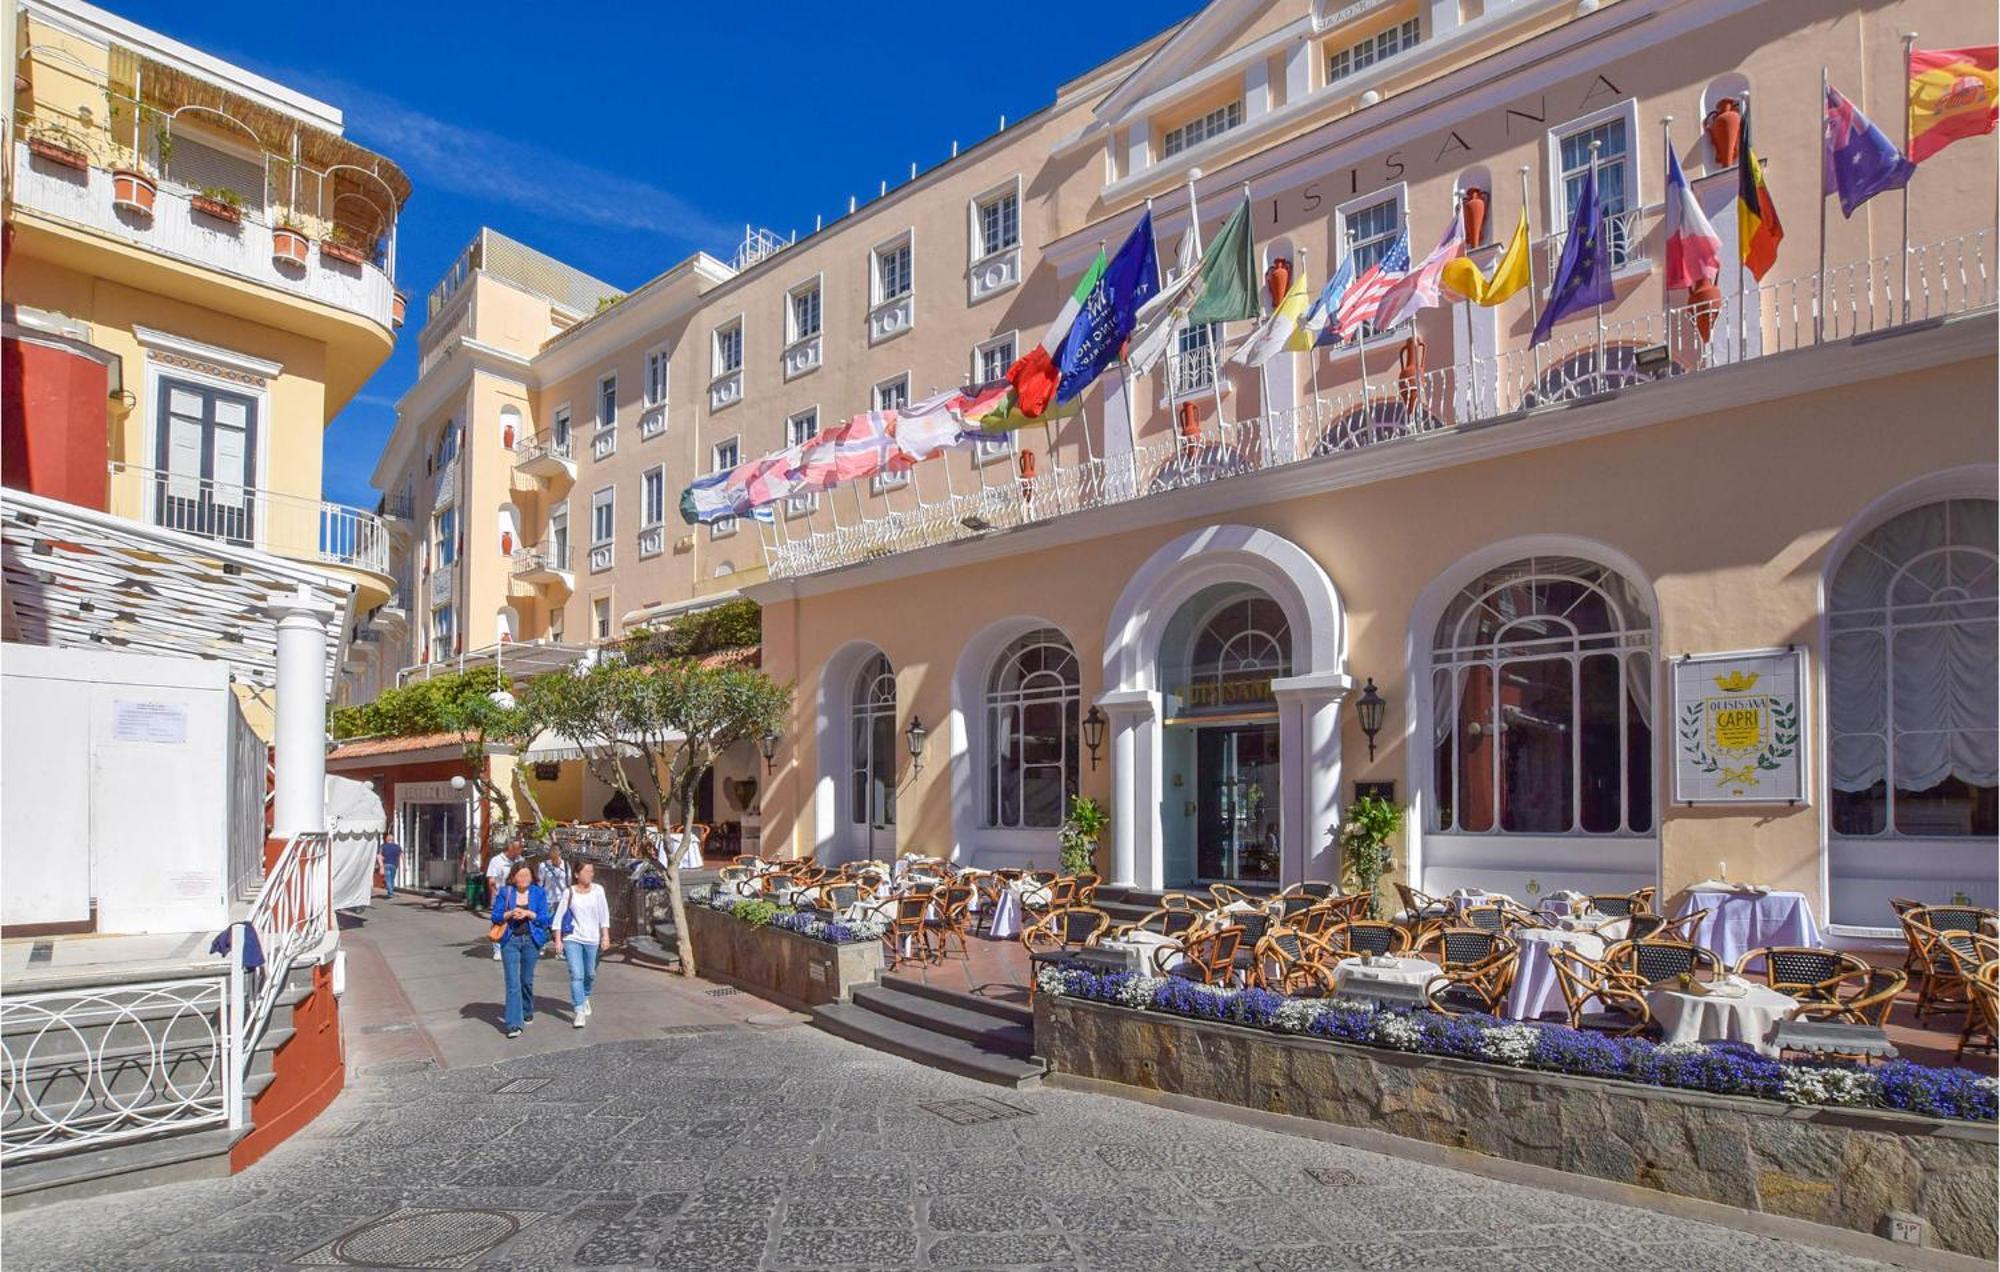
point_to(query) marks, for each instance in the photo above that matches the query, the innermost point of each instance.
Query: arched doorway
(871, 760)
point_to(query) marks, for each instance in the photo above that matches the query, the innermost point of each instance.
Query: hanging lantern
(1278, 278)
(1472, 212)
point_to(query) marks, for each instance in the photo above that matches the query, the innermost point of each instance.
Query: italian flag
(1035, 374)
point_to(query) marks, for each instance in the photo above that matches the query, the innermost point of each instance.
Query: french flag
(1694, 249)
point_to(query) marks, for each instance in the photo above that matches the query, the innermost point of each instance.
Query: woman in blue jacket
(521, 911)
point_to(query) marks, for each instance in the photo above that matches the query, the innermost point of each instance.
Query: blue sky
(621, 137)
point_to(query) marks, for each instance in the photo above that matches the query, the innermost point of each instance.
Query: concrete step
(652, 953)
(168, 1158)
(856, 1023)
(992, 1033)
(1007, 1012)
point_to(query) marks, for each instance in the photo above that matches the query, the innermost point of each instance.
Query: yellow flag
(1510, 272)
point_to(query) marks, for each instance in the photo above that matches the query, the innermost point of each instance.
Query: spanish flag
(1954, 94)
(1758, 230)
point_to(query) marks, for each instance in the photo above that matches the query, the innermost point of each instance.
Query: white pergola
(509, 657)
(76, 578)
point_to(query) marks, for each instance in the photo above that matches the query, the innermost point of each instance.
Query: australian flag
(1859, 161)
(1109, 312)
(1583, 278)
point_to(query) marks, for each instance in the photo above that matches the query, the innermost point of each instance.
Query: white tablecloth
(1738, 922)
(1712, 1017)
(1535, 989)
(690, 851)
(1006, 916)
(1407, 971)
(1144, 944)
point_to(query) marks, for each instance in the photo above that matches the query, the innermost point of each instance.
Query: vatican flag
(1510, 272)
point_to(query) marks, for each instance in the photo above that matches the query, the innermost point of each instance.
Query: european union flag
(1109, 312)
(1583, 278)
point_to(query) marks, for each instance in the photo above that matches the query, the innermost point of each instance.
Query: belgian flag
(1758, 230)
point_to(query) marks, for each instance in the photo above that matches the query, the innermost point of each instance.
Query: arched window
(1542, 691)
(872, 746)
(1031, 732)
(1246, 639)
(1910, 676)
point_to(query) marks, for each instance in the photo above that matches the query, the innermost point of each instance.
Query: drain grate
(727, 991)
(415, 1238)
(1333, 1176)
(974, 1111)
(522, 1086)
(687, 1031)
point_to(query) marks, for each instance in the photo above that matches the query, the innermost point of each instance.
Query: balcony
(544, 457)
(1845, 306)
(542, 566)
(288, 525)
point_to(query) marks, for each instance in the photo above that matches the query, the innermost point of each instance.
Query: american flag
(1365, 297)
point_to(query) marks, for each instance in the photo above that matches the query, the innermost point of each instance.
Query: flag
(992, 415)
(1099, 332)
(923, 429)
(866, 446)
(1317, 326)
(1418, 289)
(1362, 299)
(1034, 374)
(1510, 273)
(813, 467)
(705, 499)
(1161, 316)
(1758, 230)
(1954, 94)
(1229, 272)
(1583, 276)
(1694, 249)
(1274, 335)
(1857, 160)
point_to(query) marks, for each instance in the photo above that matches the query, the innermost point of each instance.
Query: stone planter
(794, 970)
(1848, 1168)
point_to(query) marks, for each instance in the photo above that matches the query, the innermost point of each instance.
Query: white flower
(1392, 1030)
(1138, 992)
(1052, 981)
(1509, 1044)
(1296, 1015)
(1805, 1084)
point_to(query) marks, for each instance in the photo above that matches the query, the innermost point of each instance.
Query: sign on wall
(1739, 727)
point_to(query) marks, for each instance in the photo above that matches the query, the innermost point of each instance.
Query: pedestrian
(554, 876)
(498, 871)
(520, 928)
(583, 930)
(390, 854)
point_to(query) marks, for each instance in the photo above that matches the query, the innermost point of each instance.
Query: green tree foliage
(471, 704)
(731, 625)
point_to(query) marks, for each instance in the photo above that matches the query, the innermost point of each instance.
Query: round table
(1405, 971)
(1536, 989)
(1740, 920)
(1753, 1017)
(1006, 922)
(1146, 945)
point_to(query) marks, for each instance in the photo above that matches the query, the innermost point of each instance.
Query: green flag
(1229, 273)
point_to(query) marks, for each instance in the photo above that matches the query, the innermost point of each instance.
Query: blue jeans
(518, 953)
(389, 865)
(582, 959)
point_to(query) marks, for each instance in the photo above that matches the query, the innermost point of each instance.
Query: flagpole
(1125, 367)
(1819, 278)
(1361, 351)
(1667, 139)
(1214, 354)
(1749, 157)
(1598, 359)
(1534, 297)
(1909, 50)
(1312, 360)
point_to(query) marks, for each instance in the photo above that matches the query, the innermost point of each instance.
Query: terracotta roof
(748, 656)
(360, 748)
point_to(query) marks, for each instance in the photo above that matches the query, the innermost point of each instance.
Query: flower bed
(795, 959)
(759, 913)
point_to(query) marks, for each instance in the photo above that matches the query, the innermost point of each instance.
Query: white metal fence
(248, 757)
(1859, 298)
(290, 525)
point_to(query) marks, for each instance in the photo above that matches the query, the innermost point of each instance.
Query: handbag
(496, 932)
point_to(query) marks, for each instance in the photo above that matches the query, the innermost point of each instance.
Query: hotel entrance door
(1236, 784)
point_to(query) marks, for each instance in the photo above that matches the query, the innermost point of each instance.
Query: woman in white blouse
(583, 930)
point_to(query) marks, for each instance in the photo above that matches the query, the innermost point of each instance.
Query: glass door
(206, 462)
(1236, 775)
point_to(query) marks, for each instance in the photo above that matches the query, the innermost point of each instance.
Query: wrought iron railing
(1956, 276)
(290, 525)
(540, 446)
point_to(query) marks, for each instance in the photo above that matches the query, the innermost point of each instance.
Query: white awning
(548, 748)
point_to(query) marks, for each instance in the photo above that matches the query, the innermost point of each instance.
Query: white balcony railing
(1860, 298)
(542, 455)
(1191, 370)
(289, 525)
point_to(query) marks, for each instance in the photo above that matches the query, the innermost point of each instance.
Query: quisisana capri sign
(1739, 726)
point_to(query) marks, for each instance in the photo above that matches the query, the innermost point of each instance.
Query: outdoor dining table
(1752, 1016)
(1144, 947)
(1741, 919)
(1404, 971)
(1006, 922)
(1535, 988)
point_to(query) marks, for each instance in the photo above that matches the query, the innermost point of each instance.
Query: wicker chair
(1184, 901)
(776, 883)
(1317, 889)
(1420, 909)
(747, 860)
(1653, 960)
(1649, 926)
(1173, 923)
(1487, 918)
(1350, 905)
(1226, 895)
(1868, 1004)
(1805, 972)
(1982, 1014)
(1616, 904)
(1292, 963)
(1317, 920)
(1369, 936)
(1476, 970)
(1086, 888)
(1902, 906)
(1944, 987)
(1620, 996)
(953, 913)
(906, 931)
(1210, 957)
(1062, 932)
(1294, 904)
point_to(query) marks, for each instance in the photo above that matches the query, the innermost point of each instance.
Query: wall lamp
(1370, 709)
(915, 735)
(1093, 733)
(769, 746)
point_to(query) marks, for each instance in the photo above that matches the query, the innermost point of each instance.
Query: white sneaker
(576, 1021)
(496, 953)
(586, 1006)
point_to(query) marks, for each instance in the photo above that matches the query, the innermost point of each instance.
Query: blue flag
(1858, 160)
(1583, 278)
(1320, 317)
(1098, 335)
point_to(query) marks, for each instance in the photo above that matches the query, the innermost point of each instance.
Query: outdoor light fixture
(1370, 709)
(769, 745)
(1093, 733)
(1650, 358)
(975, 523)
(916, 734)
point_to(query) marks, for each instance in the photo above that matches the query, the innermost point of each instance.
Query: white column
(1135, 797)
(1309, 728)
(300, 737)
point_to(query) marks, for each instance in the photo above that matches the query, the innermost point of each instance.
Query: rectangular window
(1616, 192)
(893, 272)
(445, 526)
(607, 401)
(556, 626)
(799, 429)
(653, 497)
(1372, 231)
(724, 456)
(447, 447)
(444, 632)
(990, 363)
(999, 223)
(600, 617)
(1379, 47)
(1195, 131)
(804, 316)
(559, 537)
(728, 349)
(656, 377)
(1193, 365)
(603, 516)
(892, 395)
(559, 428)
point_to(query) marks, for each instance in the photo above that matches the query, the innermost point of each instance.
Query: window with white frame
(894, 272)
(1542, 704)
(444, 631)
(657, 363)
(799, 430)
(873, 746)
(1380, 47)
(1195, 131)
(802, 314)
(1032, 732)
(652, 497)
(729, 348)
(1617, 177)
(999, 223)
(600, 617)
(1193, 363)
(603, 516)
(559, 429)
(991, 361)
(723, 456)
(607, 401)
(558, 544)
(556, 625)
(892, 395)
(1912, 749)
(444, 537)
(1371, 230)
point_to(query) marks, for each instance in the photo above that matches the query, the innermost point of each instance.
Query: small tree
(475, 705)
(1364, 841)
(578, 706)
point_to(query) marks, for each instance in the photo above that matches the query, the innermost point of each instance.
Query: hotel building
(1550, 571)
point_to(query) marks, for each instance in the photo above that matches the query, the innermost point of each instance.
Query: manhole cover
(412, 1238)
(1333, 1176)
(973, 1111)
(522, 1086)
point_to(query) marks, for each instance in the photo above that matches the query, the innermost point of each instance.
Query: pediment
(1207, 44)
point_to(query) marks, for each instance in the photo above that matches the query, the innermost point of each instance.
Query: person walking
(390, 854)
(554, 875)
(498, 871)
(583, 930)
(521, 927)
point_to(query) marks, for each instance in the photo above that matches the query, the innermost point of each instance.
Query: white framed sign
(1740, 727)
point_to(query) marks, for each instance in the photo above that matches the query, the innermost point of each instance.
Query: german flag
(1954, 94)
(1758, 230)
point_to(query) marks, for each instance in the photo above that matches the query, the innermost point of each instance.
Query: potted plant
(399, 305)
(289, 245)
(1364, 843)
(343, 244)
(53, 142)
(134, 186)
(1080, 832)
(219, 202)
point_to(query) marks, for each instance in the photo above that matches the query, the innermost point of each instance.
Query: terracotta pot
(1027, 465)
(58, 153)
(1472, 212)
(398, 307)
(1190, 420)
(216, 208)
(133, 190)
(1724, 126)
(289, 247)
(1705, 301)
(342, 252)
(1278, 279)
(506, 543)
(1412, 373)
(507, 437)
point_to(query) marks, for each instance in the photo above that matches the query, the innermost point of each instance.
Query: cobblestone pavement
(727, 1147)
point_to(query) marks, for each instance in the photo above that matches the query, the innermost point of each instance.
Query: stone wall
(1845, 1167)
(795, 970)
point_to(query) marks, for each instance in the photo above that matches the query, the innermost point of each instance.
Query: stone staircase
(659, 946)
(979, 1038)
